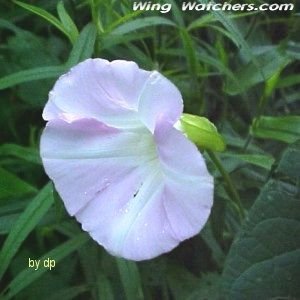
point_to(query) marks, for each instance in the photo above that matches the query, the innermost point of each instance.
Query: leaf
(13, 186)
(105, 290)
(25, 153)
(264, 260)
(261, 160)
(181, 282)
(24, 225)
(234, 31)
(82, 49)
(30, 75)
(210, 60)
(270, 63)
(130, 279)
(141, 23)
(7, 222)
(285, 129)
(208, 288)
(208, 235)
(206, 19)
(201, 132)
(29, 275)
(67, 22)
(192, 62)
(288, 81)
(84, 45)
(47, 16)
(185, 285)
(290, 162)
(111, 40)
(69, 293)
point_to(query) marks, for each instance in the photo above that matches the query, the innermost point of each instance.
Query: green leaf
(285, 129)
(47, 16)
(67, 22)
(69, 293)
(25, 153)
(290, 162)
(185, 285)
(270, 63)
(181, 282)
(82, 49)
(104, 287)
(288, 81)
(206, 19)
(84, 45)
(7, 222)
(201, 132)
(13, 186)
(264, 260)
(141, 23)
(130, 279)
(261, 160)
(29, 275)
(30, 75)
(24, 225)
(192, 62)
(234, 31)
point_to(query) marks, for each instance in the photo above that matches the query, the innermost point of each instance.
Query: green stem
(230, 189)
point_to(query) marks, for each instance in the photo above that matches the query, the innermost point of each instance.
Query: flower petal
(85, 156)
(160, 101)
(188, 185)
(96, 88)
(116, 93)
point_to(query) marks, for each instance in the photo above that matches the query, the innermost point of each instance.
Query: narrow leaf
(285, 129)
(130, 279)
(25, 153)
(84, 45)
(30, 75)
(141, 23)
(270, 63)
(29, 275)
(13, 186)
(67, 22)
(82, 49)
(261, 160)
(24, 225)
(45, 15)
(69, 293)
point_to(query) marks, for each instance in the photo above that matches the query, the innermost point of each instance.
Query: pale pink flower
(133, 181)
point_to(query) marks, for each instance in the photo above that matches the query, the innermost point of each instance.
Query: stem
(230, 189)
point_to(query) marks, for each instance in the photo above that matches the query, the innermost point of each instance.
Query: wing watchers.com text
(212, 6)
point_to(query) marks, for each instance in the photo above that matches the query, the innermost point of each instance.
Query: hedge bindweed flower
(134, 182)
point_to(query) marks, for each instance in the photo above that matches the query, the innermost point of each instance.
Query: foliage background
(240, 70)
